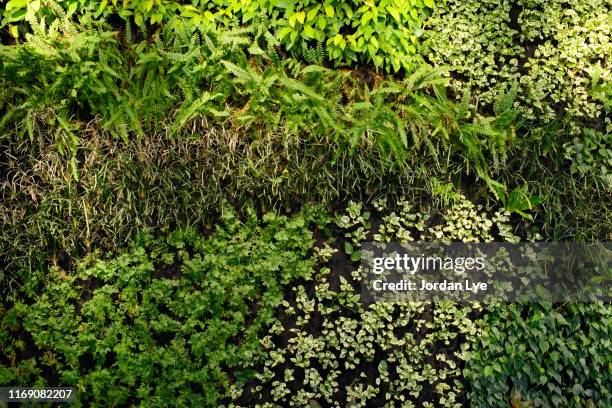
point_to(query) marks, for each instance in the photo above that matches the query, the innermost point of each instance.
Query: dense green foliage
(164, 323)
(384, 32)
(542, 355)
(67, 71)
(213, 112)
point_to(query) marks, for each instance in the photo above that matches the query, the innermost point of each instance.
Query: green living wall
(185, 188)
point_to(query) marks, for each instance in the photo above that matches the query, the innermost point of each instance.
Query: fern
(463, 107)
(241, 74)
(314, 55)
(505, 101)
(320, 53)
(424, 77)
(128, 32)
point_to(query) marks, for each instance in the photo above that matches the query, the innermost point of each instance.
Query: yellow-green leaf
(321, 22)
(15, 31)
(292, 19)
(367, 16)
(308, 30)
(283, 32)
(139, 20)
(393, 11)
(72, 8)
(329, 10)
(16, 4)
(35, 5)
(348, 11)
(312, 13)
(374, 41)
(301, 16)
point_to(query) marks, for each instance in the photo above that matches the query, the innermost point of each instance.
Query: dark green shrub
(162, 324)
(545, 356)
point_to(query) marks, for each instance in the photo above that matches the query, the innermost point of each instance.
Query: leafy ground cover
(258, 314)
(163, 323)
(128, 130)
(329, 349)
(543, 355)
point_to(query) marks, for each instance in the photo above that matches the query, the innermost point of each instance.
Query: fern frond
(128, 32)
(464, 105)
(273, 54)
(320, 53)
(505, 102)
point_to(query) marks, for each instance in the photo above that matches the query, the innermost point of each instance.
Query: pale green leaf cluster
(552, 48)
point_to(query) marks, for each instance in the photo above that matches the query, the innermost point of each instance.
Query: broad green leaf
(283, 32)
(35, 5)
(312, 13)
(72, 8)
(292, 19)
(393, 11)
(367, 16)
(139, 20)
(308, 31)
(321, 22)
(300, 17)
(16, 4)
